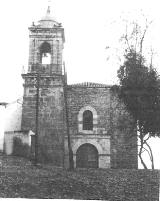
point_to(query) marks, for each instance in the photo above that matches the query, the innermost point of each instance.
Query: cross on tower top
(49, 7)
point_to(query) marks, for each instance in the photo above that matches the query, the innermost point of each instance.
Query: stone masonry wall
(51, 117)
(113, 121)
(98, 98)
(113, 134)
(54, 37)
(123, 137)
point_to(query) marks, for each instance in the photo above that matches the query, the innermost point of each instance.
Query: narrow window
(87, 120)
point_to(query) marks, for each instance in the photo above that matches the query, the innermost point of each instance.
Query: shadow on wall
(20, 149)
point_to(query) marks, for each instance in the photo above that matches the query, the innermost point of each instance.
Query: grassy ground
(19, 178)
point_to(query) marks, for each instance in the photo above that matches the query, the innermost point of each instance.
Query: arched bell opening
(45, 53)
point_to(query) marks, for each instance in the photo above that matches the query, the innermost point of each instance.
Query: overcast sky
(90, 26)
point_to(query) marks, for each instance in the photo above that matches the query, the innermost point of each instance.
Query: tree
(139, 90)
(70, 152)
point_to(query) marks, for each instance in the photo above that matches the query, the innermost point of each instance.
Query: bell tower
(46, 41)
(46, 46)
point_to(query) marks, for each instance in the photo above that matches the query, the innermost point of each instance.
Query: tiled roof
(90, 84)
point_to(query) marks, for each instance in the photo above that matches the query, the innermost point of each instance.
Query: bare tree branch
(151, 154)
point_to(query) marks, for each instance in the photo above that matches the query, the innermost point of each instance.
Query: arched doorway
(87, 156)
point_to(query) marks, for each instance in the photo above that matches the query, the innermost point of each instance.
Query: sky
(90, 26)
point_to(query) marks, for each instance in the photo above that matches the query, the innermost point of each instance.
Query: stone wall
(113, 133)
(52, 36)
(123, 136)
(113, 128)
(51, 116)
(97, 98)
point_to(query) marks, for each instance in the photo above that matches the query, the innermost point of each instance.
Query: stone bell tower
(45, 61)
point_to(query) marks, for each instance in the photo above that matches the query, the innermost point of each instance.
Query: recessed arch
(87, 156)
(84, 141)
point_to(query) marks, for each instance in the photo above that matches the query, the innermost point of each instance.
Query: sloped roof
(90, 84)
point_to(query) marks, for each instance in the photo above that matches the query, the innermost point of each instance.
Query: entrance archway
(87, 156)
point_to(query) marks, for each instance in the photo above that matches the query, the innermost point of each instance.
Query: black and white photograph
(80, 100)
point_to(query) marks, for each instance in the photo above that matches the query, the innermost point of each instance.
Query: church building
(102, 133)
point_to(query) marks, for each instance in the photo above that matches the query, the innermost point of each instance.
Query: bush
(20, 148)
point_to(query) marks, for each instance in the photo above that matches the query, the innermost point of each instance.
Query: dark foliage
(139, 89)
(20, 149)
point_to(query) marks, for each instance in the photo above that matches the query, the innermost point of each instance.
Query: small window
(87, 120)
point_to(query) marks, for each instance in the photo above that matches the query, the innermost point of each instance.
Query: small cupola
(48, 21)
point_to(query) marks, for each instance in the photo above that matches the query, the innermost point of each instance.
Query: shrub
(20, 148)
